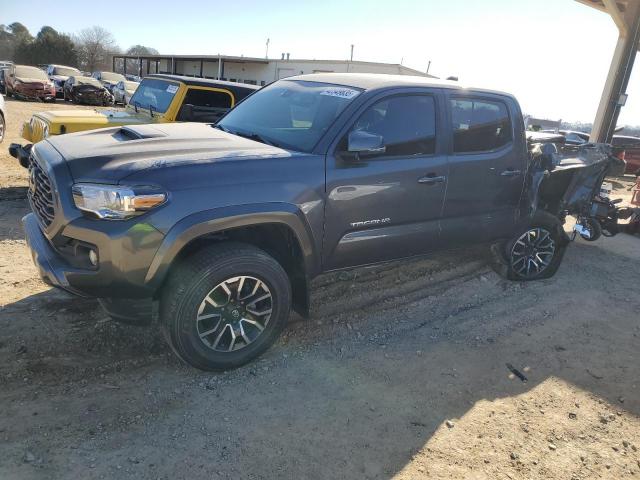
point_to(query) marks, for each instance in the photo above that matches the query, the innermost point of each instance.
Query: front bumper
(36, 93)
(51, 266)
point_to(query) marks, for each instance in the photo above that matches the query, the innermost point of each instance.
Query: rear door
(387, 205)
(487, 163)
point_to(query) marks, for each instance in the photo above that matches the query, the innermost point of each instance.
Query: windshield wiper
(255, 136)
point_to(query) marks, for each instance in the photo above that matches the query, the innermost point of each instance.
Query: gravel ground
(405, 371)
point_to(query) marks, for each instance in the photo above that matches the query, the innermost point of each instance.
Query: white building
(257, 71)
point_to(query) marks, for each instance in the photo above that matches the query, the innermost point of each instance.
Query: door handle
(431, 179)
(510, 173)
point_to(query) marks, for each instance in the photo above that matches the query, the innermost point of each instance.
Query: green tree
(13, 37)
(49, 46)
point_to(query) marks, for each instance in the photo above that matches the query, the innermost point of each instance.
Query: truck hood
(109, 155)
(99, 118)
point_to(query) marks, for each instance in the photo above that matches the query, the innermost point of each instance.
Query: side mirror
(365, 142)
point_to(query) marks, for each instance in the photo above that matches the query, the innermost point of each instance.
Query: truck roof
(205, 82)
(369, 81)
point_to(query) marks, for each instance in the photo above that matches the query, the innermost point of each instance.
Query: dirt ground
(403, 372)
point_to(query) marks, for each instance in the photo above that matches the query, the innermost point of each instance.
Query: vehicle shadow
(13, 206)
(359, 392)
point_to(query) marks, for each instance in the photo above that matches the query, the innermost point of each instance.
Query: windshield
(290, 113)
(155, 93)
(65, 71)
(30, 72)
(111, 76)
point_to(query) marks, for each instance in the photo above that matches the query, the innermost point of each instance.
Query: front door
(387, 204)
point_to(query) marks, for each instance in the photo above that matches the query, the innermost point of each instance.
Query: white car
(124, 90)
(3, 122)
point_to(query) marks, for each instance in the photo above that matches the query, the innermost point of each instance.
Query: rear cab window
(205, 105)
(479, 125)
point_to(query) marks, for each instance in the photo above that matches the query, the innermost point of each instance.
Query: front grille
(38, 128)
(40, 193)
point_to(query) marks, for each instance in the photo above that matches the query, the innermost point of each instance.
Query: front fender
(225, 218)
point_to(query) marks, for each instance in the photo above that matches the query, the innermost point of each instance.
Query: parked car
(3, 84)
(29, 82)
(108, 79)
(158, 99)
(573, 137)
(626, 149)
(630, 147)
(3, 121)
(86, 91)
(224, 225)
(123, 91)
(59, 74)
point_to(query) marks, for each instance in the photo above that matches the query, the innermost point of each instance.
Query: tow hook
(21, 153)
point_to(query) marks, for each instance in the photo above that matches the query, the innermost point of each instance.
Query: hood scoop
(138, 132)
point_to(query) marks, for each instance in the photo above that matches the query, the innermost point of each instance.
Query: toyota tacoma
(215, 231)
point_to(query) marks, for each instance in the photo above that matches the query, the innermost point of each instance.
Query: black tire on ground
(195, 278)
(543, 223)
(594, 229)
(9, 93)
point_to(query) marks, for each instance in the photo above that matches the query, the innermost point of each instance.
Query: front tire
(225, 305)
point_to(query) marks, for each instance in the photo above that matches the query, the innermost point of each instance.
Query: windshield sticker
(346, 93)
(172, 88)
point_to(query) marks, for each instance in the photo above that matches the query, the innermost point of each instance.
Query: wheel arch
(278, 229)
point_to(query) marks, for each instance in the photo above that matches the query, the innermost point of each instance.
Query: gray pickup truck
(223, 226)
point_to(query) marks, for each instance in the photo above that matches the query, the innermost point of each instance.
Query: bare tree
(95, 46)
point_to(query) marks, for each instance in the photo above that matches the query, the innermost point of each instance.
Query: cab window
(204, 105)
(406, 123)
(479, 125)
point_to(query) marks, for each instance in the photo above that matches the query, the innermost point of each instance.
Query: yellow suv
(158, 98)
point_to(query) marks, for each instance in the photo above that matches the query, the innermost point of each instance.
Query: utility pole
(266, 53)
(352, 52)
(428, 66)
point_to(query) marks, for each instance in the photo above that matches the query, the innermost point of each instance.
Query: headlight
(113, 202)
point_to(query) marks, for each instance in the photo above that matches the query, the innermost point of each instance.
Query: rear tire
(210, 313)
(534, 252)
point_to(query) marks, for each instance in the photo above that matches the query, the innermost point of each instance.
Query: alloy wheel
(532, 253)
(234, 314)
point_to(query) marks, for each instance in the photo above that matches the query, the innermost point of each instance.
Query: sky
(498, 44)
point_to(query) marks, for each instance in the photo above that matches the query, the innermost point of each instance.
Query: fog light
(93, 257)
